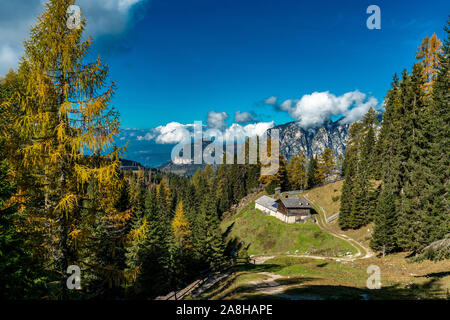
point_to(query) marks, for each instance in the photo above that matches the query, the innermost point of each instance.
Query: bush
(335, 198)
(270, 188)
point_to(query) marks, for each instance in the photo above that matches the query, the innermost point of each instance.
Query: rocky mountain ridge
(312, 141)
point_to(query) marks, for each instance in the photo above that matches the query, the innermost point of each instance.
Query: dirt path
(271, 287)
(362, 251)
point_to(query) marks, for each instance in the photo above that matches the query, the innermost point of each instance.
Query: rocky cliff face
(312, 141)
(293, 140)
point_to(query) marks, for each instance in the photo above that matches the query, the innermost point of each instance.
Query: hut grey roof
(266, 202)
(291, 203)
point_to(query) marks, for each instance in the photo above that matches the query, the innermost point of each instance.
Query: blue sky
(179, 59)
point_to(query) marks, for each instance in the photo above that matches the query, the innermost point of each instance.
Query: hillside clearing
(286, 276)
(304, 279)
(268, 235)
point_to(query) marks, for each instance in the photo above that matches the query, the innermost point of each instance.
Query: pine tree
(312, 173)
(282, 175)
(21, 276)
(411, 210)
(214, 246)
(64, 116)
(363, 194)
(428, 54)
(296, 171)
(326, 166)
(223, 188)
(383, 147)
(384, 236)
(180, 227)
(345, 219)
(436, 193)
(109, 277)
(424, 213)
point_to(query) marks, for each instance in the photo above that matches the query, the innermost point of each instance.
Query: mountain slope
(268, 235)
(293, 140)
(312, 141)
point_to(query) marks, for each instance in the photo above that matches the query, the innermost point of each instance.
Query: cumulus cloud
(172, 132)
(241, 132)
(148, 136)
(314, 109)
(106, 16)
(175, 132)
(244, 117)
(359, 111)
(271, 100)
(16, 18)
(216, 120)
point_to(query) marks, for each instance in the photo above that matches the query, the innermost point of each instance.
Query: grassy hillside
(328, 198)
(305, 278)
(288, 277)
(268, 235)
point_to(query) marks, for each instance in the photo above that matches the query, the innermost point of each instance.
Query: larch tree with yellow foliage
(326, 166)
(181, 228)
(428, 55)
(67, 129)
(296, 171)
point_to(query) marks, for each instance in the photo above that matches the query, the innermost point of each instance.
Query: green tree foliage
(384, 237)
(312, 173)
(72, 204)
(296, 172)
(358, 199)
(22, 277)
(411, 157)
(345, 219)
(326, 166)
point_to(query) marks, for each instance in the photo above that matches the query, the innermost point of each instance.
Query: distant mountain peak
(313, 140)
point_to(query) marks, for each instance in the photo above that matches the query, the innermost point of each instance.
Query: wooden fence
(204, 277)
(333, 217)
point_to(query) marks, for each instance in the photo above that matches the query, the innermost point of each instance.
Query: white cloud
(250, 130)
(243, 117)
(148, 136)
(17, 17)
(314, 109)
(175, 132)
(216, 120)
(106, 16)
(172, 132)
(359, 111)
(271, 100)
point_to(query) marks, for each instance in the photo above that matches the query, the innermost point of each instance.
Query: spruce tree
(312, 173)
(437, 192)
(384, 236)
(411, 210)
(363, 189)
(424, 213)
(214, 246)
(345, 219)
(21, 276)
